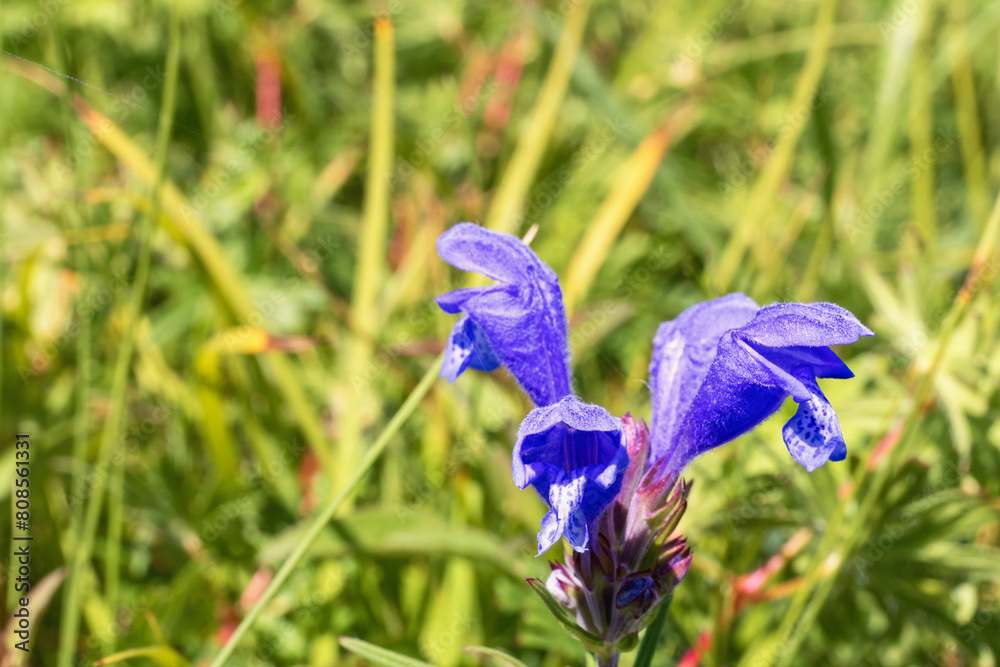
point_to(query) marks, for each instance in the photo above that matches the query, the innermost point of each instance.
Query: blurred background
(218, 225)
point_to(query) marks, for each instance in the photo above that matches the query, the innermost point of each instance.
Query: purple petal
(821, 361)
(553, 435)
(566, 497)
(550, 533)
(522, 318)
(738, 393)
(575, 456)
(683, 352)
(806, 324)
(709, 392)
(499, 256)
(813, 435)
(452, 301)
(467, 346)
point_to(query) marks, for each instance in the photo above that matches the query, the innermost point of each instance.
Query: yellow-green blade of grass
(372, 240)
(110, 456)
(504, 214)
(966, 107)
(116, 490)
(334, 175)
(370, 270)
(378, 655)
(212, 423)
(632, 182)
(921, 131)
(185, 221)
(161, 655)
(451, 616)
(766, 186)
(494, 656)
(85, 372)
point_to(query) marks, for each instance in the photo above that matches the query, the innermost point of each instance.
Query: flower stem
(607, 660)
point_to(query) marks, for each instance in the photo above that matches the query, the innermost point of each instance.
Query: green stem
(610, 660)
(409, 405)
(11, 581)
(112, 427)
(647, 648)
(68, 624)
(116, 491)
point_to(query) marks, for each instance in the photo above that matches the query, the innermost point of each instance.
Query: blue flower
(467, 347)
(575, 456)
(726, 365)
(572, 453)
(719, 369)
(520, 323)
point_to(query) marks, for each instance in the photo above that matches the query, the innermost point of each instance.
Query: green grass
(220, 333)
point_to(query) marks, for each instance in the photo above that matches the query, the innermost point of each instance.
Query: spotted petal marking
(813, 435)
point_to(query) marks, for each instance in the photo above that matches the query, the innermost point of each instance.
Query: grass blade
(161, 655)
(505, 211)
(330, 510)
(379, 655)
(766, 187)
(163, 133)
(921, 124)
(112, 428)
(632, 182)
(495, 656)
(370, 269)
(964, 87)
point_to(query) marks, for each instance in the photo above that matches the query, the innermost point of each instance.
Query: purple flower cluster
(719, 369)
(613, 487)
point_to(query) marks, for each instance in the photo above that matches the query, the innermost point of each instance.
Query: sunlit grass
(243, 455)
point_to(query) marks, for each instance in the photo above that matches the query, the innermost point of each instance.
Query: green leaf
(566, 619)
(379, 655)
(451, 615)
(494, 656)
(161, 655)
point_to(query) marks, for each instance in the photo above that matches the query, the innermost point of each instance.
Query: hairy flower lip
(579, 419)
(723, 366)
(575, 456)
(468, 347)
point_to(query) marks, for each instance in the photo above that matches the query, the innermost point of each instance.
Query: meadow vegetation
(216, 298)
